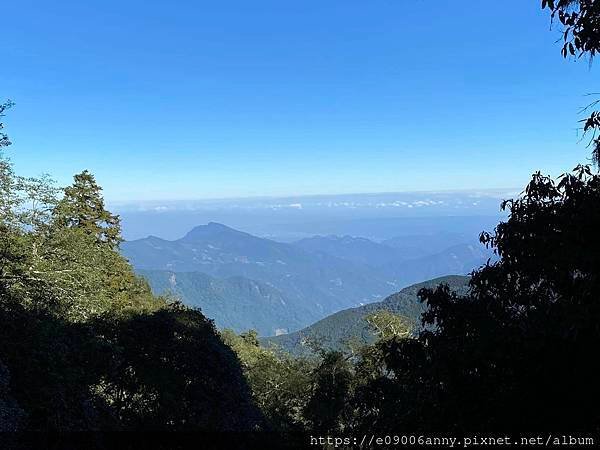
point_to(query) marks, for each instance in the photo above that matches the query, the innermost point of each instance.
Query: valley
(242, 281)
(348, 329)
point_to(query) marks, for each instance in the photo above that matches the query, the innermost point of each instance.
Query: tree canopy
(82, 207)
(84, 344)
(580, 21)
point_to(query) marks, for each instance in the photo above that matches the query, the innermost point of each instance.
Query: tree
(386, 324)
(4, 141)
(82, 207)
(171, 371)
(580, 20)
(11, 414)
(24, 202)
(522, 339)
(8, 198)
(53, 364)
(84, 345)
(280, 384)
(332, 382)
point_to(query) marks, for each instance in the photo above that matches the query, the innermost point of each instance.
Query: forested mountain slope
(237, 303)
(349, 326)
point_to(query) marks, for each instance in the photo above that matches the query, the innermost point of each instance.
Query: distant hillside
(237, 303)
(336, 330)
(413, 246)
(355, 249)
(459, 259)
(311, 284)
(406, 260)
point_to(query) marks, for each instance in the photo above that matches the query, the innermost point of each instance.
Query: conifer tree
(83, 207)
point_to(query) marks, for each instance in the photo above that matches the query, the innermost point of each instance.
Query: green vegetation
(350, 328)
(280, 383)
(84, 345)
(581, 37)
(513, 352)
(238, 303)
(102, 353)
(82, 207)
(521, 338)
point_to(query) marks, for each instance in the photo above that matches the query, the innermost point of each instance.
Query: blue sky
(192, 99)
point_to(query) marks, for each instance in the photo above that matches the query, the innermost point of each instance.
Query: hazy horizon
(144, 204)
(290, 218)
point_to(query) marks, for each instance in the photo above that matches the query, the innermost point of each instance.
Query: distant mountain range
(459, 259)
(355, 249)
(374, 216)
(339, 330)
(243, 281)
(310, 284)
(407, 259)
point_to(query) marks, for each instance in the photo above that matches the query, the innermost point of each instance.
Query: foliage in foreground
(580, 32)
(515, 352)
(84, 345)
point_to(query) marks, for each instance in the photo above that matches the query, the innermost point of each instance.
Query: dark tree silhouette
(126, 360)
(580, 20)
(332, 379)
(518, 351)
(172, 372)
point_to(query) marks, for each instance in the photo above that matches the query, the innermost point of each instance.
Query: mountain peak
(209, 230)
(216, 226)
